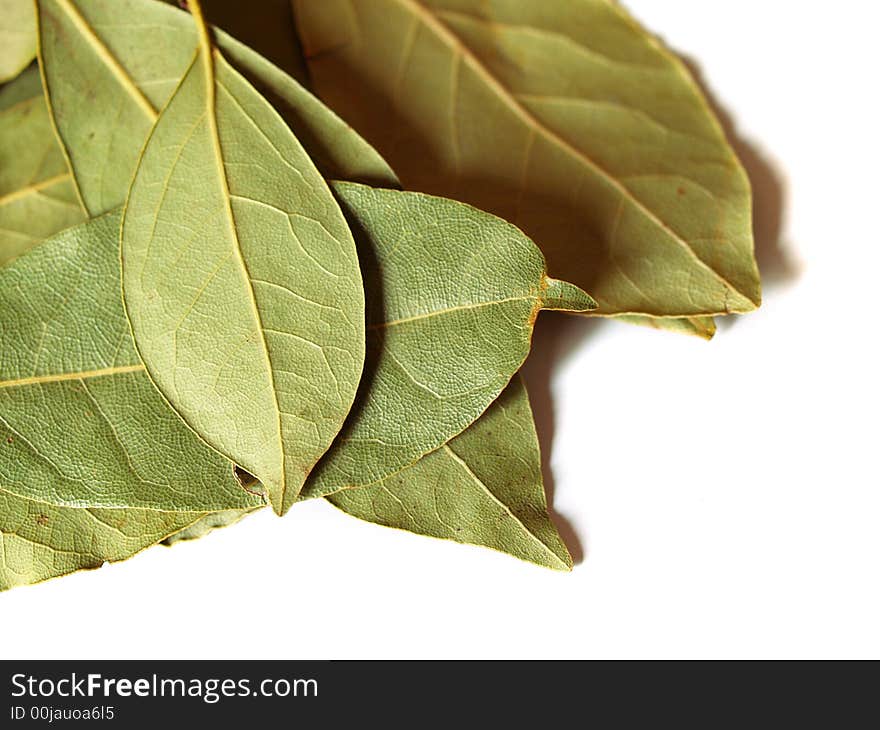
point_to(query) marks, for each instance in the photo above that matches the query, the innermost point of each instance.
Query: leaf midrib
(32, 189)
(448, 310)
(433, 22)
(109, 60)
(479, 482)
(63, 377)
(210, 57)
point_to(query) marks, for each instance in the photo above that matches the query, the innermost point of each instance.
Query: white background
(722, 498)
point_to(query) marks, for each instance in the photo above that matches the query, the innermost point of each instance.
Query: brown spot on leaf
(42, 520)
(681, 191)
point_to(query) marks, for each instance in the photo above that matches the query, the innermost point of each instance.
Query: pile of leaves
(228, 282)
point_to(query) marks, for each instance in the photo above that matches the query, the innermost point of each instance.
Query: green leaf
(453, 294)
(241, 280)
(18, 37)
(80, 423)
(37, 196)
(565, 118)
(39, 541)
(106, 81)
(482, 488)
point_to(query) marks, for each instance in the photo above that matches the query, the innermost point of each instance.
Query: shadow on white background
(559, 336)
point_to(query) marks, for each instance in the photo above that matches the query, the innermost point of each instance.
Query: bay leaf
(206, 524)
(567, 119)
(110, 65)
(40, 541)
(380, 243)
(37, 196)
(702, 327)
(18, 37)
(25, 86)
(452, 297)
(337, 150)
(81, 425)
(484, 488)
(241, 279)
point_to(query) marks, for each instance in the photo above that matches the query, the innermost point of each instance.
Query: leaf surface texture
(112, 65)
(40, 541)
(453, 294)
(241, 280)
(565, 118)
(80, 423)
(482, 488)
(37, 195)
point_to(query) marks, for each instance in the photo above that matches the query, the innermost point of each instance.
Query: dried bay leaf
(18, 37)
(25, 86)
(81, 426)
(453, 294)
(484, 488)
(391, 281)
(37, 196)
(241, 279)
(337, 150)
(565, 118)
(40, 541)
(111, 65)
(206, 524)
(702, 327)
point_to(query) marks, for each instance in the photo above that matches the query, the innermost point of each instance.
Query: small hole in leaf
(248, 481)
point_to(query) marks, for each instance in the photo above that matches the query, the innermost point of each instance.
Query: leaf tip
(565, 562)
(278, 505)
(283, 497)
(563, 296)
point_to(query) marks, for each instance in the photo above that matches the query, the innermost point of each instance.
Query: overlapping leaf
(241, 279)
(107, 78)
(453, 294)
(80, 423)
(206, 524)
(39, 541)
(37, 197)
(563, 117)
(95, 241)
(482, 488)
(18, 37)
(26, 85)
